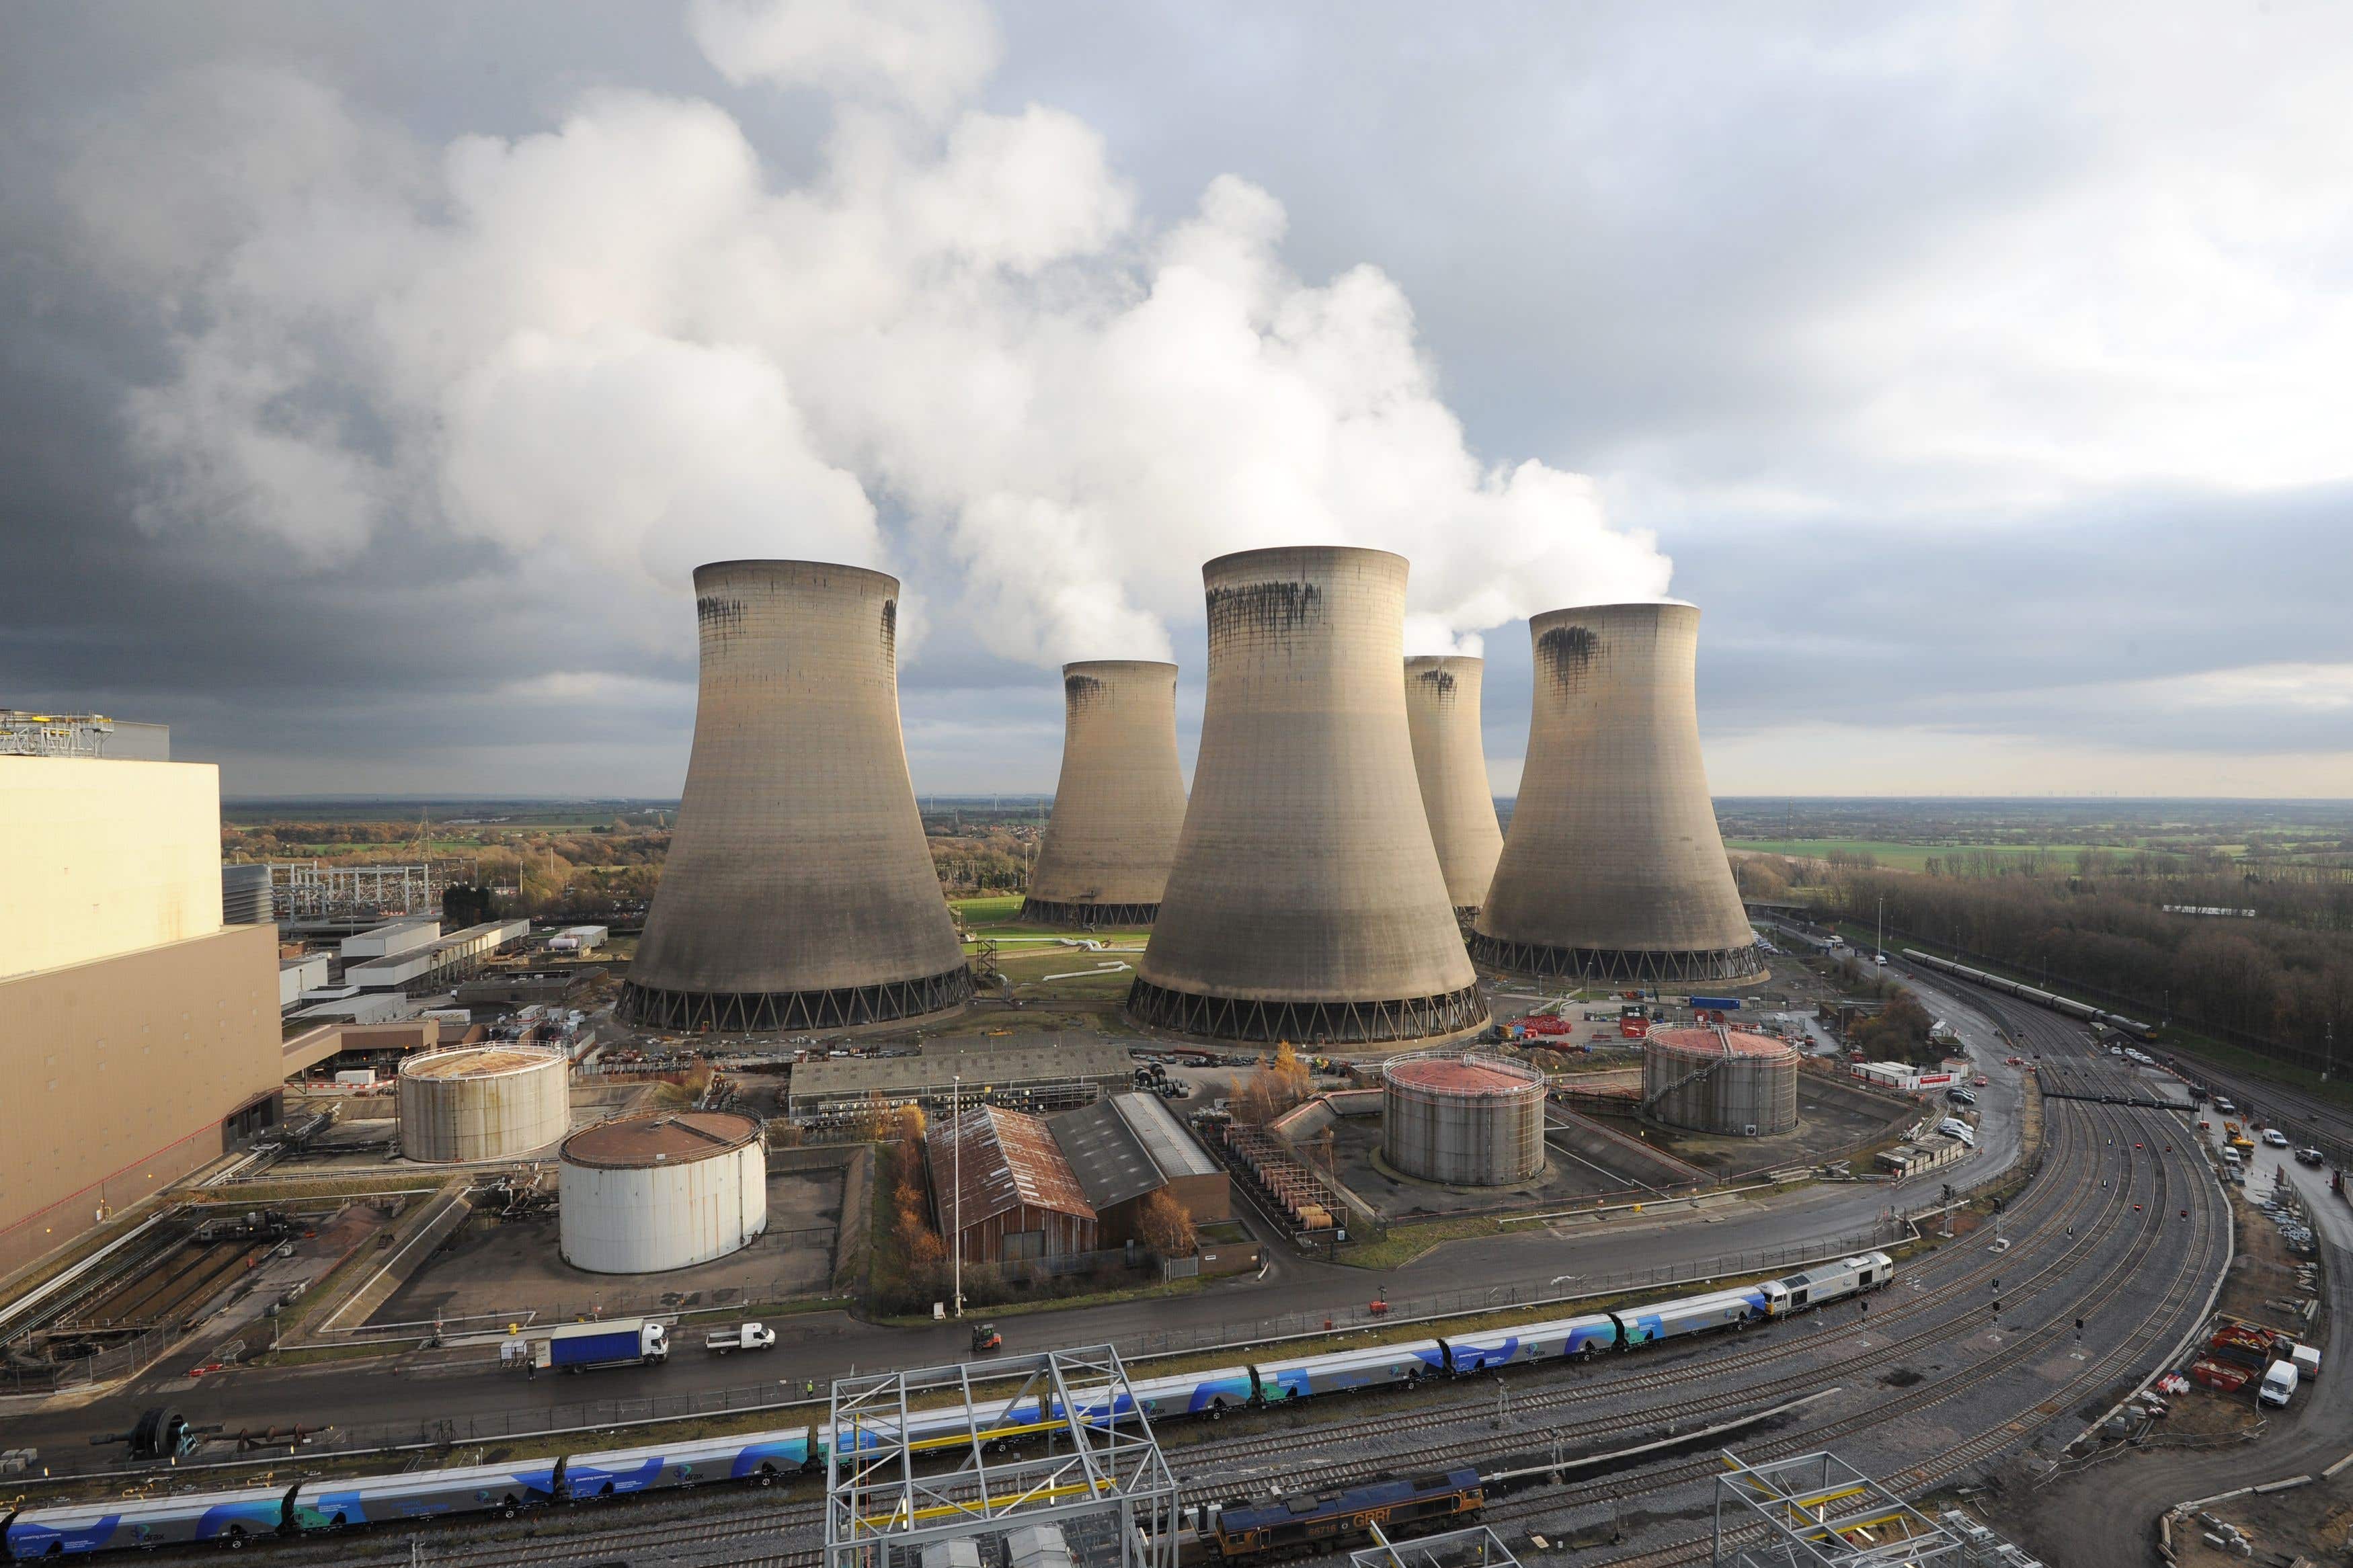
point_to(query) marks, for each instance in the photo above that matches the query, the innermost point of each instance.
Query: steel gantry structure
(920, 1457)
(1815, 1511)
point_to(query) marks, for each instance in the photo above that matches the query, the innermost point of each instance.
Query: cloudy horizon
(1978, 370)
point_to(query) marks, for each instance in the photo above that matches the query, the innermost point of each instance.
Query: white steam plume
(618, 341)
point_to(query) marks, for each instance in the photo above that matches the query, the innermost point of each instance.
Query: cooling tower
(1121, 801)
(798, 893)
(1449, 757)
(1305, 902)
(1614, 869)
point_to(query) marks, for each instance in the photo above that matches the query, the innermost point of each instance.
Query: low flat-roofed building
(1125, 1147)
(1043, 1073)
(298, 976)
(548, 988)
(1002, 1188)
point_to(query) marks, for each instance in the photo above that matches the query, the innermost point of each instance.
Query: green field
(1895, 856)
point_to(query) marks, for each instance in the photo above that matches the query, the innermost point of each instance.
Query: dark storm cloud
(1709, 256)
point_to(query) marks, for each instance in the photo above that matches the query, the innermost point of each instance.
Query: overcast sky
(372, 378)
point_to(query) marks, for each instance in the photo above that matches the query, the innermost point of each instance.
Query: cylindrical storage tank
(1614, 869)
(799, 893)
(1468, 1120)
(484, 1102)
(1120, 803)
(1306, 903)
(662, 1189)
(1715, 1079)
(1450, 758)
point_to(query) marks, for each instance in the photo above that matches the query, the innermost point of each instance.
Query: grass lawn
(1895, 856)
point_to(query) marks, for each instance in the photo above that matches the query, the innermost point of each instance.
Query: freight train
(2070, 1007)
(232, 1519)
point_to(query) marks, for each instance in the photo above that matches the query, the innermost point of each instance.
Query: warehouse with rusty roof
(1003, 1189)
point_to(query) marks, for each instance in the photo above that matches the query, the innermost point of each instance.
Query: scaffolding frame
(1815, 1511)
(889, 1494)
(1477, 1547)
(23, 734)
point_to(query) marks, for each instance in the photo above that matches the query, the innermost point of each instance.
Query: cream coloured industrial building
(139, 1035)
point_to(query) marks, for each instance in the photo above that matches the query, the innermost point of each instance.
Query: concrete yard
(509, 1272)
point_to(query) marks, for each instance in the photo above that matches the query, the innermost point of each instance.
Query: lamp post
(955, 1182)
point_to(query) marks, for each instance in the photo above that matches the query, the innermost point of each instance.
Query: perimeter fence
(795, 1399)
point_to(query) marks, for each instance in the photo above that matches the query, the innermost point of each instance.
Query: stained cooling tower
(1305, 902)
(1121, 801)
(1449, 757)
(798, 893)
(1614, 869)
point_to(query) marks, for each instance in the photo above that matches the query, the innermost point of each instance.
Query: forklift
(985, 1337)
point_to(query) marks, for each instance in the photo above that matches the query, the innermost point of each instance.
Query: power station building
(1614, 869)
(799, 893)
(139, 1036)
(1120, 803)
(1306, 901)
(1450, 758)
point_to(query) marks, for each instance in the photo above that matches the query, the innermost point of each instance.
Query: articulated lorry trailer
(616, 1341)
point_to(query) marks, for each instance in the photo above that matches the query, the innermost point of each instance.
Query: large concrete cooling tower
(1306, 903)
(1121, 801)
(1449, 757)
(799, 892)
(1614, 869)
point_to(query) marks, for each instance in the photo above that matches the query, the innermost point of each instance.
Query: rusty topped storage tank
(1614, 869)
(1450, 758)
(1120, 803)
(1711, 1078)
(1306, 902)
(484, 1102)
(662, 1189)
(799, 893)
(1468, 1120)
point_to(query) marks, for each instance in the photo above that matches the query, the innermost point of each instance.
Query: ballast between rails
(2057, 1004)
(232, 1519)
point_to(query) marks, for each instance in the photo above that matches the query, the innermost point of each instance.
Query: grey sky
(1980, 370)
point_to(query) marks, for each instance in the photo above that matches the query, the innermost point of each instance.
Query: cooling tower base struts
(651, 1007)
(1052, 913)
(1723, 965)
(1307, 1023)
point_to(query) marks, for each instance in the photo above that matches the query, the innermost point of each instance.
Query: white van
(2307, 1361)
(2279, 1384)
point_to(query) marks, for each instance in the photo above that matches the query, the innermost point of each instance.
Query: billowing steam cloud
(618, 348)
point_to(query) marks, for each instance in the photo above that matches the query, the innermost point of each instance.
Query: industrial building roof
(477, 1061)
(1462, 1075)
(1008, 1158)
(981, 1066)
(1704, 1041)
(660, 1138)
(1126, 1146)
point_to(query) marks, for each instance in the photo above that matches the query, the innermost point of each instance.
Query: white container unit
(644, 1193)
(484, 1102)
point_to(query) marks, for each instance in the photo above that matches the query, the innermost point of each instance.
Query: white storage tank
(662, 1189)
(484, 1102)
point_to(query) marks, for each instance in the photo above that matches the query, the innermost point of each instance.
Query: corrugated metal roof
(1065, 1059)
(1107, 1158)
(1163, 1136)
(1007, 1158)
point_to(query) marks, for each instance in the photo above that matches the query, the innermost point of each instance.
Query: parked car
(2275, 1137)
(2309, 1157)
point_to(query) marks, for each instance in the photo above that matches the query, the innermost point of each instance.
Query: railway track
(2202, 1258)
